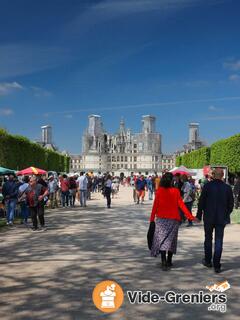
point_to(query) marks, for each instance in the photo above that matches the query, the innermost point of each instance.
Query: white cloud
(234, 77)
(8, 87)
(214, 109)
(109, 10)
(232, 65)
(69, 116)
(222, 118)
(5, 112)
(143, 105)
(40, 92)
(21, 59)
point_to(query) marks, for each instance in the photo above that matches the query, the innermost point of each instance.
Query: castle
(124, 151)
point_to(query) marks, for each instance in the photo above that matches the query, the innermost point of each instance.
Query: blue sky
(61, 60)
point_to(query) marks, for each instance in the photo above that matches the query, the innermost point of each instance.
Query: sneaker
(10, 224)
(206, 264)
(165, 267)
(43, 228)
(35, 229)
(218, 270)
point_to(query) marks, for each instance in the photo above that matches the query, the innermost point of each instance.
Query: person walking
(53, 188)
(167, 219)
(89, 186)
(10, 195)
(22, 200)
(150, 188)
(35, 195)
(141, 185)
(187, 195)
(72, 190)
(215, 205)
(108, 190)
(236, 192)
(64, 185)
(42, 180)
(133, 185)
(82, 186)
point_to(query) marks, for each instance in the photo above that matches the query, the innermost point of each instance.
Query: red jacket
(64, 185)
(167, 203)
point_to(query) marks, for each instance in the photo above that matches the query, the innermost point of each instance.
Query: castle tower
(148, 124)
(95, 125)
(122, 129)
(46, 134)
(193, 132)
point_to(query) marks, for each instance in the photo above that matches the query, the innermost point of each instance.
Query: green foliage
(195, 159)
(224, 152)
(178, 161)
(18, 152)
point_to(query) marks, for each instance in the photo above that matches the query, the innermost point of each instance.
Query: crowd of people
(31, 194)
(174, 199)
(173, 195)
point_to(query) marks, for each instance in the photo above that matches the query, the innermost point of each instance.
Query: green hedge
(227, 152)
(195, 159)
(17, 152)
(224, 152)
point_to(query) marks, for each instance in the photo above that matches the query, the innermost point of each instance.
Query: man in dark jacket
(10, 194)
(216, 204)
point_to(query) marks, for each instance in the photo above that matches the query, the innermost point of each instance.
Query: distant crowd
(31, 193)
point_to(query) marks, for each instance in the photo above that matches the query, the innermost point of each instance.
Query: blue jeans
(24, 211)
(65, 198)
(189, 206)
(11, 206)
(83, 198)
(218, 246)
(150, 194)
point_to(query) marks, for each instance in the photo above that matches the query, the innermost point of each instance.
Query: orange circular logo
(108, 296)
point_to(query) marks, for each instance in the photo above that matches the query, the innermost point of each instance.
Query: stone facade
(168, 162)
(124, 151)
(75, 163)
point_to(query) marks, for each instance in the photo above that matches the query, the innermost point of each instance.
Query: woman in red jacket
(165, 213)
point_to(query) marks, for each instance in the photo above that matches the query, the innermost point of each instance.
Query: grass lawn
(3, 222)
(235, 216)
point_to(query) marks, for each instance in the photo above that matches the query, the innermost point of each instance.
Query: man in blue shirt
(150, 187)
(10, 194)
(141, 184)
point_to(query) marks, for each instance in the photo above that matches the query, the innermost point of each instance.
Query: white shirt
(82, 182)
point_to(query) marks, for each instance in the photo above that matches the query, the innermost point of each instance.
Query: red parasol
(31, 170)
(182, 170)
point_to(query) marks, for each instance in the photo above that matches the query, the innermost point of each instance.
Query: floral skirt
(165, 236)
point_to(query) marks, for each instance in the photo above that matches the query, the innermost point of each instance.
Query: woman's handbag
(150, 234)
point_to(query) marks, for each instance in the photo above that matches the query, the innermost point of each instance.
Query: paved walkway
(51, 275)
